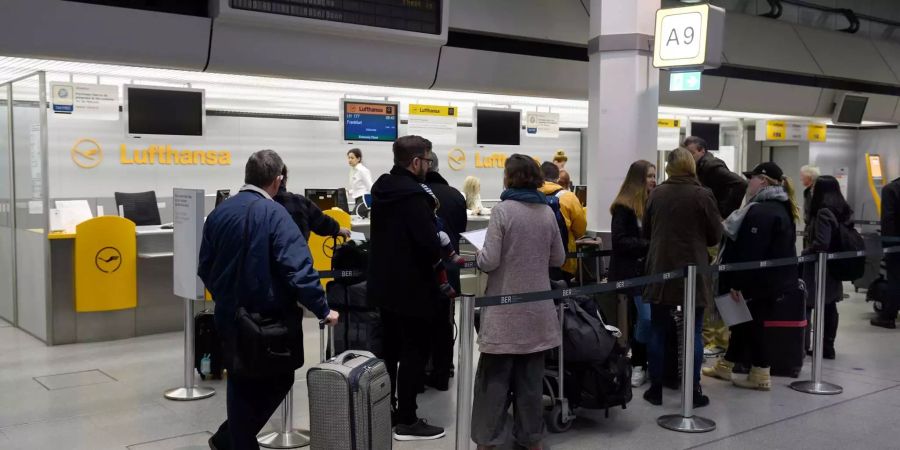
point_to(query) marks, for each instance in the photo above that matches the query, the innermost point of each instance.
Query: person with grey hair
(256, 263)
(808, 176)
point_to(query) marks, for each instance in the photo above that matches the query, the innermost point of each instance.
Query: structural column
(623, 98)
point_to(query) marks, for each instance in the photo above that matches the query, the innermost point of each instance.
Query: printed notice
(541, 124)
(435, 123)
(476, 238)
(86, 101)
(733, 312)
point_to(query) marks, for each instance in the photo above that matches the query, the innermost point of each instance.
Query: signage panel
(86, 101)
(188, 207)
(690, 36)
(435, 123)
(542, 124)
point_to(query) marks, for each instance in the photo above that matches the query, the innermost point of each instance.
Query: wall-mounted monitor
(369, 121)
(708, 131)
(164, 111)
(849, 109)
(495, 126)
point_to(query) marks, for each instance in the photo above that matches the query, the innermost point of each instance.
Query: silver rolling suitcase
(349, 402)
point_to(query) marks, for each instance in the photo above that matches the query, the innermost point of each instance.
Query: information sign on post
(188, 221)
(689, 37)
(542, 124)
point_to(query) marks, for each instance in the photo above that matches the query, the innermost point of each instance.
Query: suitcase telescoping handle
(323, 349)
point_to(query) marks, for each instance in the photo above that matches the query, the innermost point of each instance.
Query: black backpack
(585, 338)
(849, 240)
(553, 203)
(351, 257)
(206, 342)
(607, 384)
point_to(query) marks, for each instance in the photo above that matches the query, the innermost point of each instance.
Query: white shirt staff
(360, 176)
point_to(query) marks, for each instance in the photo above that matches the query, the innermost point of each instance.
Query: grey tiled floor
(131, 412)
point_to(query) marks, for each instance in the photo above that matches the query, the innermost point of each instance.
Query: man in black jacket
(403, 256)
(727, 186)
(452, 211)
(306, 214)
(890, 228)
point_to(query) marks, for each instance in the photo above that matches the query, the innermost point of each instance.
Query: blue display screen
(370, 122)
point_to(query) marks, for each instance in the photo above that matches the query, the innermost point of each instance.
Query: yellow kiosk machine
(876, 178)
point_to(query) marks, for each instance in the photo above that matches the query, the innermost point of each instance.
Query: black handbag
(265, 342)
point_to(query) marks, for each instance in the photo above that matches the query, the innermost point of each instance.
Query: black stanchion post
(815, 385)
(464, 380)
(687, 422)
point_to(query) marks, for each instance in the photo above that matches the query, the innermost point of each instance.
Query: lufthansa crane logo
(87, 154)
(329, 244)
(456, 159)
(108, 259)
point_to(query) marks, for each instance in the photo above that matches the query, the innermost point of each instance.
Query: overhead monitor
(164, 111)
(498, 126)
(369, 121)
(708, 131)
(849, 109)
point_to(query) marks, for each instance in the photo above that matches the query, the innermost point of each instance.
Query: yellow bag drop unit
(105, 265)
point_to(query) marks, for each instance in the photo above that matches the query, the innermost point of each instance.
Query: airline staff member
(360, 176)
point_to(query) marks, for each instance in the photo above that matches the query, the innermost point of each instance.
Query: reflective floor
(110, 396)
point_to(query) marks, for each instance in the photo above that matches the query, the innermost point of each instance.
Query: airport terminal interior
(125, 126)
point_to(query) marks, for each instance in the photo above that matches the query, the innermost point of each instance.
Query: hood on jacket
(549, 187)
(732, 224)
(398, 185)
(682, 180)
(435, 178)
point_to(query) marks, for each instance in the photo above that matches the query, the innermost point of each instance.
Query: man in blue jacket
(276, 272)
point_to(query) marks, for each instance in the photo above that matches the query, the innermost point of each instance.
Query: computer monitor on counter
(326, 199)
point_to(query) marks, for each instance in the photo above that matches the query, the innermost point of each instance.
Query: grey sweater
(522, 243)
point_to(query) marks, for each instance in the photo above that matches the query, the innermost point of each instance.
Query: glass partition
(31, 215)
(7, 224)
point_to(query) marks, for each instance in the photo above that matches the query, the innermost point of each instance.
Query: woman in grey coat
(522, 243)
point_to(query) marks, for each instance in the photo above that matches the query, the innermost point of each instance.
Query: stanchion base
(694, 424)
(811, 387)
(193, 393)
(291, 439)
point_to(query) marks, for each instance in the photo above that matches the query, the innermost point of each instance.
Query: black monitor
(709, 131)
(850, 109)
(139, 207)
(581, 193)
(326, 199)
(222, 195)
(498, 126)
(162, 111)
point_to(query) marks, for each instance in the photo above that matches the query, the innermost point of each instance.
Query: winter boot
(721, 370)
(758, 379)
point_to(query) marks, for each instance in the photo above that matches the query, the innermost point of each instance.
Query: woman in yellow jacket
(572, 212)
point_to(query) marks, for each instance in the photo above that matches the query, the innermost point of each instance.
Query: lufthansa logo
(329, 244)
(87, 154)
(456, 159)
(108, 259)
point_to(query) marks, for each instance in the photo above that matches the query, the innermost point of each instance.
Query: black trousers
(250, 403)
(442, 341)
(747, 343)
(502, 380)
(891, 303)
(830, 324)
(407, 342)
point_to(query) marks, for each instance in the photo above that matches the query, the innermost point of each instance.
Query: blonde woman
(681, 221)
(472, 191)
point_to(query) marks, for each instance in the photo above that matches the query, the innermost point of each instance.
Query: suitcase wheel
(555, 421)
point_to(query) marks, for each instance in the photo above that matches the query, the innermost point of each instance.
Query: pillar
(623, 98)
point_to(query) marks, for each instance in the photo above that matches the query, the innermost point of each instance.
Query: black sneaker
(654, 394)
(884, 323)
(700, 400)
(419, 431)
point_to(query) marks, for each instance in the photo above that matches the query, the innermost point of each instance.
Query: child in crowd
(448, 253)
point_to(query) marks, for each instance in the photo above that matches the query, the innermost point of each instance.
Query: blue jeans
(662, 329)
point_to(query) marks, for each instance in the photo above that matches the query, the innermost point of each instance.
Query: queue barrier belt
(611, 286)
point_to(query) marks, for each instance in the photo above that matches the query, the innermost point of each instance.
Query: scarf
(733, 223)
(524, 195)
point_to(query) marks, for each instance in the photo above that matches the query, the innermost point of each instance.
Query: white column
(623, 97)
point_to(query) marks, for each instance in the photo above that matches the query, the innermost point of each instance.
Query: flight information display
(421, 16)
(368, 121)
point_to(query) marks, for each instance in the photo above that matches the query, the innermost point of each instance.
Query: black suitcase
(360, 325)
(784, 334)
(206, 342)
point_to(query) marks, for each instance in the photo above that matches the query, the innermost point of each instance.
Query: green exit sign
(684, 81)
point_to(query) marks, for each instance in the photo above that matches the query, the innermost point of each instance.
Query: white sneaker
(638, 376)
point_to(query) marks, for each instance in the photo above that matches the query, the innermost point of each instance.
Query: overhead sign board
(542, 124)
(684, 81)
(689, 37)
(787, 130)
(435, 123)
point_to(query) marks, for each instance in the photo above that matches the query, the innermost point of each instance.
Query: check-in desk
(157, 309)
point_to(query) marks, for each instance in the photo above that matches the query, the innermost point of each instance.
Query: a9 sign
(680, 36)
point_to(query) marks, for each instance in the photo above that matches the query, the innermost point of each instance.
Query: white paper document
(476, 238)
(357, 236)
(733, 312)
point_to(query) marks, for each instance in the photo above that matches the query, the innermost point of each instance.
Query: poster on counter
(86, 101)
(435, 123)
(188, 222)
(542, 124)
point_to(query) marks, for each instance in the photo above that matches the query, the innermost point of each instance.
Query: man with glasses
(405, 254)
